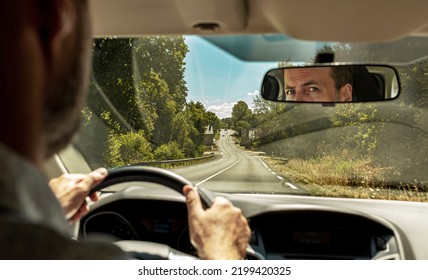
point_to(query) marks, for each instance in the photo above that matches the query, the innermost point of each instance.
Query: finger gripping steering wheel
(146, 174)
(152, 175)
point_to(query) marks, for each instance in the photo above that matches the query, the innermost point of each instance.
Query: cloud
(221, 110)
(254, 93)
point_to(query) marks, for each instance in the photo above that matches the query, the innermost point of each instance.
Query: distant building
(209, 135)
(247, 137)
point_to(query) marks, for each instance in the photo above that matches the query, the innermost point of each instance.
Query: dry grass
(365, 192)
(342, 176)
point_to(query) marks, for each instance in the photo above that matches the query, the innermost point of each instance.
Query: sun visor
(346, 21)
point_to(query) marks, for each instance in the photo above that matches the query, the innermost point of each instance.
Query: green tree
(169, 151)
(127, 148)
(197, 118)
(266, 110)
(112, 81)
(165, 56)
(212, 119)
(227, 123)
(158, 106)
(241, 115)
(140, 83)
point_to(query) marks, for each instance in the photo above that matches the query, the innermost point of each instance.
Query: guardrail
(175, 163)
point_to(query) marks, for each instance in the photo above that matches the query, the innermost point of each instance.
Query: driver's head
(44, 55)
(318, 84)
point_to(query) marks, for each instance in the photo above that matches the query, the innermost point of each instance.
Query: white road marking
(221, 171)
(264, 164)
(292, 186)
(279, 177)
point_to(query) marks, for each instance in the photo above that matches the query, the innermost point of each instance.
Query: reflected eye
(290, 91)
(314, 89)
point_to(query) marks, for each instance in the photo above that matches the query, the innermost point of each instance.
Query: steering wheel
(168, 179)
(152, 175)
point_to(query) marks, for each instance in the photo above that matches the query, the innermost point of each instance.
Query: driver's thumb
(194, 205)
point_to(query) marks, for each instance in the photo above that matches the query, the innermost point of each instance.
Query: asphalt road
(237, 170)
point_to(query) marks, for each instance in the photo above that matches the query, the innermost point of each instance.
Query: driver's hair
(342, 75)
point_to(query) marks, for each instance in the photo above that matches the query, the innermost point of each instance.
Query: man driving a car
(44, 67)
(318, 84)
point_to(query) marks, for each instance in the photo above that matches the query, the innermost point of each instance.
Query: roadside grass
(343, 176)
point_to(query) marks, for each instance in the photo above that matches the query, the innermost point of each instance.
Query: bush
(127, 148)
(169, 151)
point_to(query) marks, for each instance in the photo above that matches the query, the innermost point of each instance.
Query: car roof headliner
(327, 20)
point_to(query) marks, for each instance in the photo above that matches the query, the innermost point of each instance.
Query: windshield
(192, 105)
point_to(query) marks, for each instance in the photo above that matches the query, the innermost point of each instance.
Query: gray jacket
(32, 222)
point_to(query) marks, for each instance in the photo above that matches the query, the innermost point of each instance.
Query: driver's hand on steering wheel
(72, 190)
(220, 232)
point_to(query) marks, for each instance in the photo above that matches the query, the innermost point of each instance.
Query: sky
(219, 80)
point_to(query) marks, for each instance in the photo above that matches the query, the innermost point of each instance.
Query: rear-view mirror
(331, 83)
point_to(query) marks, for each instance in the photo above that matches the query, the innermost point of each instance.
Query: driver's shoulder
(24, 240)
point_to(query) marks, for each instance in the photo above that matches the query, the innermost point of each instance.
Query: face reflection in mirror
(318, 84)
(331, 83)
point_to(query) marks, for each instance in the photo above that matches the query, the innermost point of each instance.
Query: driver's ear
(345, 93)
(55, 21)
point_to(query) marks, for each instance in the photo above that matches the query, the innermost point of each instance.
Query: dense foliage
(138, 90)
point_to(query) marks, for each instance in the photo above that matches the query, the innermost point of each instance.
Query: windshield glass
(192, 104)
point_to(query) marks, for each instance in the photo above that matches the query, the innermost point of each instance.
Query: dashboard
(147, 220)
(318, 235)
(281, 228)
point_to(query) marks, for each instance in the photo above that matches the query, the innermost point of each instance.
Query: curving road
(237, 170)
